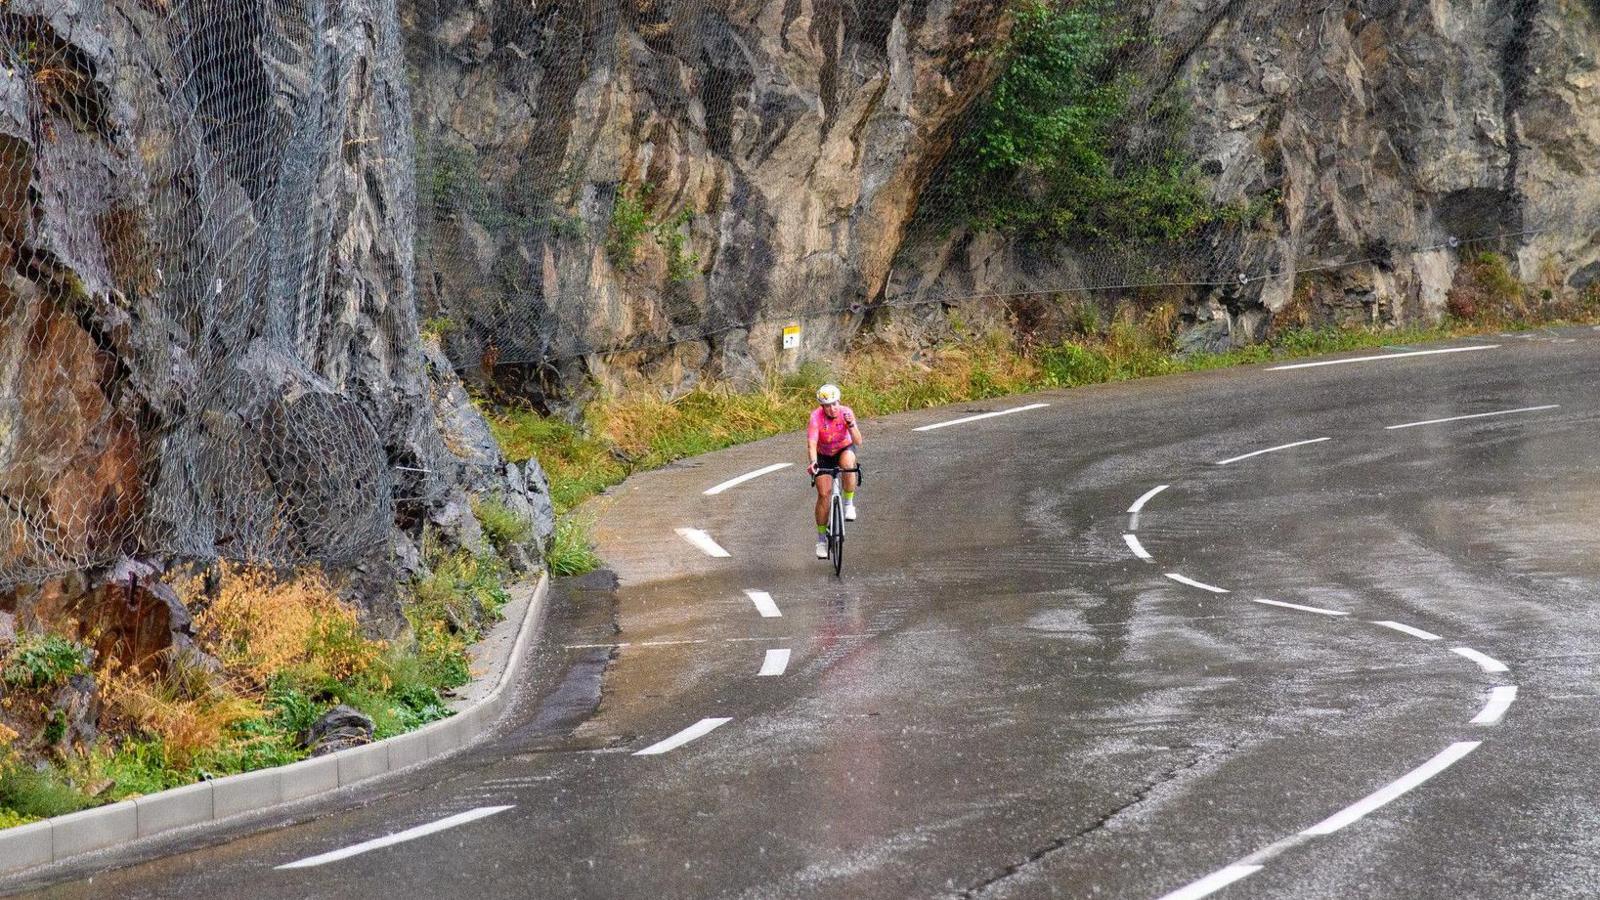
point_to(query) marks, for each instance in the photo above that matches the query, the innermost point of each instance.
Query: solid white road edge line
(1212, 883)
(764, 604)
(399, 837)
(988, 415)
(698, 730)
(1199, 584)
(1407, 629)
(1310, 609)
(1234, 459)
(1485, 662)
(1396, 789)
(1503, 412)
(776, 663)
(703, 542)
(1137, 548)
(1148, 496)
(1500, 700)
(1360, 359)
(748, 476)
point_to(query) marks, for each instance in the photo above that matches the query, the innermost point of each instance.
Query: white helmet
(828, 393)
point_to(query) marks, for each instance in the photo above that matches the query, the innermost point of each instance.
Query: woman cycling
(832, 438)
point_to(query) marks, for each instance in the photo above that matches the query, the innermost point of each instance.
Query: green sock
(822, 529)
(849, 496)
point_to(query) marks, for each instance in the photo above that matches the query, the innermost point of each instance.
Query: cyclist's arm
(813, 434)
(855, 434)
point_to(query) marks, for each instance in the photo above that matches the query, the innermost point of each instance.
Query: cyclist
(832, 439)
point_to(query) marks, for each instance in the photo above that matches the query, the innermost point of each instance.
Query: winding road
(1311, 630)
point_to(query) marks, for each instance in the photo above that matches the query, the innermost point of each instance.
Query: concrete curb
(54, 840)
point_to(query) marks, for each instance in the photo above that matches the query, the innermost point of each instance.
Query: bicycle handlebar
(836, 471)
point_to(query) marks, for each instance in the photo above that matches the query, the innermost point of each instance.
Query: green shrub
(572, 550)
(437, 327)
(43, 661)
(34, 794)
(682, 263)
(464, 591)
(1046, 154)
(502, 525)
(630, 221)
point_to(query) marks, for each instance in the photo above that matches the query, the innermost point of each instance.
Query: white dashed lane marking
(1500, 700)
(1137, 548)
(748, 476)
(1183, 579)
(401, 837)
(989, 415)
(1348, 816)
(1310, 609)
(1407, 629)
(1212, 883)
(1138, 505)
(776, 663)
(1487, 415)
(1381, 356)
(1148, 496)
(764, 604)
(1487, 663)
(703, 542)
(1355, 812)
(1233, 459)
(698, 730)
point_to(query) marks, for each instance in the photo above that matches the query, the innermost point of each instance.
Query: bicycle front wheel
(836, 536)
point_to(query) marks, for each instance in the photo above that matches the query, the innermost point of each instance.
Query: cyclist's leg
(824, 494)
(847, 460)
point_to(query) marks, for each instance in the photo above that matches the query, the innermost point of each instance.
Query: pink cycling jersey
(832, 434)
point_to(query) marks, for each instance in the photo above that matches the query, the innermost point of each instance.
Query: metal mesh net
(179, 186)
(219, 218)
(664, 181)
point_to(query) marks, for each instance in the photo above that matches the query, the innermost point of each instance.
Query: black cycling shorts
(831, 460)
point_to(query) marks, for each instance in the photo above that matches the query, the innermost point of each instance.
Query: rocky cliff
(1400, 136)
(208, 334)
(764, 158)
(614, 174)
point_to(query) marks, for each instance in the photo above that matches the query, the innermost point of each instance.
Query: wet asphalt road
(999, 699)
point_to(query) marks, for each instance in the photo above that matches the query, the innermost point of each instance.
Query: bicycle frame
(836, 512)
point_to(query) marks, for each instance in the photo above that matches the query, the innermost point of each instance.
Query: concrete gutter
(61, 838)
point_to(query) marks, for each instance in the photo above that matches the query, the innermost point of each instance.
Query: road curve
(1231, 633)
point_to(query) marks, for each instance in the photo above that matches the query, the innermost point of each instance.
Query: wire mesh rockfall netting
(220, 217)
(175, 184)
(670, 179)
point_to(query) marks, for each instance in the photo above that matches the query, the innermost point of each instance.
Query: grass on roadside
(620, 436)
(289, 650)
(572, 549)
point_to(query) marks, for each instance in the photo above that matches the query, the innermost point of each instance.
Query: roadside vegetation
(273, 652)
(618, 436)
(1066, 146)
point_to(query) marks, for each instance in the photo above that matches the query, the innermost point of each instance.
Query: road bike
(836, 513)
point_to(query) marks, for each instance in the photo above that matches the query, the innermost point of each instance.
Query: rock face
(787, 144)
(609, 174)
(208, 332)
(338, 729)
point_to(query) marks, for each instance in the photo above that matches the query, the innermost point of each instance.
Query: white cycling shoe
(822, 549)
(849, 512)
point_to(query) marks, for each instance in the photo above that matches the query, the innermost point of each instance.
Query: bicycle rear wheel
(836, 535)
